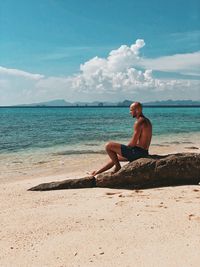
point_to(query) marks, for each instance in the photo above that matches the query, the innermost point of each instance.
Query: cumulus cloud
(122, 74)
(121, 71)
(117, 60)
(19, 73)
(114, 72)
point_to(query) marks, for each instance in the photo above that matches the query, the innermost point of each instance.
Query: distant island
(125, 103)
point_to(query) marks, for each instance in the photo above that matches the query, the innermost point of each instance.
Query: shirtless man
(136, 148)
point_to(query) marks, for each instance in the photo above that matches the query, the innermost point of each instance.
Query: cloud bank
(19, 73)
(125, 71)
(122, 74)
(187, 64)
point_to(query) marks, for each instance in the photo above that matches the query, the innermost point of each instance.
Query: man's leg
(113, 150)
(109, 165)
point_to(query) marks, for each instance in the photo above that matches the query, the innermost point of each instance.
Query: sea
(84, 130)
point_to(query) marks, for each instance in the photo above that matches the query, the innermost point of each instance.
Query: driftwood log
(153, 171)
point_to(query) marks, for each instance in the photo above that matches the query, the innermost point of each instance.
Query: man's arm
(136, 133)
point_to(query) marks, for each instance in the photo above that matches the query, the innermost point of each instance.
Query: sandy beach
(98, 226)
(77, 77)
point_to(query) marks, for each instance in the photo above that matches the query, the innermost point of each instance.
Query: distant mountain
(63, 103)
(125, 103)
(52, 103)
(95, 103)
(173, 103)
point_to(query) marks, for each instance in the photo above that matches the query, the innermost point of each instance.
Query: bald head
(136, 105)
(136, 109)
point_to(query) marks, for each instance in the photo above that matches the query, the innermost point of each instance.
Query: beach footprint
(120, 203)
(112, 193)
(194, 217)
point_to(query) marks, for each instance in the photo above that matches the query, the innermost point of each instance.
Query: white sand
(97, 226)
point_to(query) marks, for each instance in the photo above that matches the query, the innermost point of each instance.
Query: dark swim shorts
(133, 153)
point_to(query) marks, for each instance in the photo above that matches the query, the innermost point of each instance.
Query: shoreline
(22, 166)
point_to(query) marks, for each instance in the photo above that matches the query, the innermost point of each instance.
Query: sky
(99, 50)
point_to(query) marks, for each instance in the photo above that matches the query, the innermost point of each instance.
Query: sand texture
(95, 226)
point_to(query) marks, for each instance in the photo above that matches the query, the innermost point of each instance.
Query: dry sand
(94, 227)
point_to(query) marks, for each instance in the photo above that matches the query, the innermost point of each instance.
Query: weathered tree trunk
(153, 171)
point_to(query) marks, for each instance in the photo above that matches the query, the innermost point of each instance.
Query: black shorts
(133, 153)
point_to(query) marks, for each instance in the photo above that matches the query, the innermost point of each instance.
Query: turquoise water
(23, 129)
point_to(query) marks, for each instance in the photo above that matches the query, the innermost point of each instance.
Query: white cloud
(188, 64)
(118, 60)
(119, 72)
(19, 73)
(3, 84)
(123, 74)
(114, 72)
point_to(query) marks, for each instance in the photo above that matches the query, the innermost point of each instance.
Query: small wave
(40, 162)
(173, 143)
(178, 142)
(78, 152)
(90, 144)
(159, 145)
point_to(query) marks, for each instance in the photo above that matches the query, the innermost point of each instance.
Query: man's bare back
(138, 145)
(144, 139)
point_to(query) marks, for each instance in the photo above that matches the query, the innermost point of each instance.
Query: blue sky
(53, 38)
